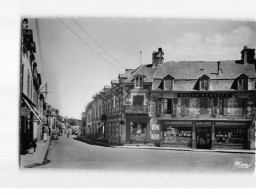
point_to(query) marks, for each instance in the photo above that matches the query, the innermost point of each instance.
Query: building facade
(194, 104)
(32, 101)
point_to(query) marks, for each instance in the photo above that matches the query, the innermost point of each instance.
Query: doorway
(203, 138)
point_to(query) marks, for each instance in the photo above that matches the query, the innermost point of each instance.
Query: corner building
(194, 104)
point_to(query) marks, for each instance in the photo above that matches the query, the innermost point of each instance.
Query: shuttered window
(175, 104)
(167, 106)
(159, 106)
(183, 106)
(204, 104)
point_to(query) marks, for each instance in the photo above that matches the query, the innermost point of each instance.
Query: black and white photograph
(137, 95)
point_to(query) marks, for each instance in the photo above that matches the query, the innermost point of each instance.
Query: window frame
(204, 84)
(138, 81)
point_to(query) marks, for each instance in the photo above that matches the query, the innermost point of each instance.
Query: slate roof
(196, 69)
(186, 73)
(145, 70)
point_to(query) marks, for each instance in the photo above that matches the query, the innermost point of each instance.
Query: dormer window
(204, 83)
(168, 82)
(242, 83)
(138, 81)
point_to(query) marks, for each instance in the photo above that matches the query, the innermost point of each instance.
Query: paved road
(69, 153)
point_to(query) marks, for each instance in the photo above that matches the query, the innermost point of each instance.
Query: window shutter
(215, 104)
(187, 105)
(201, 106)
(183, 102)
(225, 106)
(175, 104)
(206, 105)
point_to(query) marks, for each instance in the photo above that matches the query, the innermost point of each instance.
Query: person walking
(45, 136)
(34, 145)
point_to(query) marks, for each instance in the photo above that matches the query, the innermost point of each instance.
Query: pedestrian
(34, 145)
(45, 136)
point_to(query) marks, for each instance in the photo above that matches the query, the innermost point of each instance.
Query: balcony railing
(136, 109)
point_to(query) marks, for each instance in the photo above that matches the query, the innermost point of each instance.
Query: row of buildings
(194, 104)
(35, 114)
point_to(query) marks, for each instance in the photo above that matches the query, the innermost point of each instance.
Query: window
(215, 105)
(204, 102)
(168, 82)
(242, 105)
(223, 106)
(138, 100)
(138, 81)
(242, 84)
(204, 84)
(167, 106)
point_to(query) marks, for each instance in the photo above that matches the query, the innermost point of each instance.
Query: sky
(76, 67)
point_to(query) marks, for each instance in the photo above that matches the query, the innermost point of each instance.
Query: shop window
(242, 84)
(229, 135)
(177, 136)
(138, 81)
(138, 131)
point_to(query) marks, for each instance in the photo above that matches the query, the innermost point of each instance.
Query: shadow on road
(92, 143)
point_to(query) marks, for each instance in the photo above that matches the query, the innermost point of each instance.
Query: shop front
(206, 134)
(232, 135)
(137, 129)
(177, 134)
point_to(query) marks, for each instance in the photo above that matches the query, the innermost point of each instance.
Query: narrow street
(68, 153)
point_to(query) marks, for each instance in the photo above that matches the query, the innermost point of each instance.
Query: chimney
(157, 57)
(218, 67)
(248, 55)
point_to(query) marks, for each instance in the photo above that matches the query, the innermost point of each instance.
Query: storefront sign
(24, 111)
(203, 123)
(178, 123)
(230, 124)
(210, 95)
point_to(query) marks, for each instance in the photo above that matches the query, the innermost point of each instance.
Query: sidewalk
(164, 148)
(30, 159)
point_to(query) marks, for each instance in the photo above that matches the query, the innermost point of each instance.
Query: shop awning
(101, 124)
(33, 109)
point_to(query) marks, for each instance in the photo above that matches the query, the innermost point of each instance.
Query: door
(203, 137)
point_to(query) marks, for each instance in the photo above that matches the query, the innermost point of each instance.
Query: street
(69, 153)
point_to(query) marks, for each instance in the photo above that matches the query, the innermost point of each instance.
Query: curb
(164, 148)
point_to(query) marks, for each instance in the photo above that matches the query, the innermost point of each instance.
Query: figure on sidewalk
(45, 136)
(34, 145)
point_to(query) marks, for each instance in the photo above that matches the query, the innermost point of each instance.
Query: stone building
(205, 104)
(194, 104)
